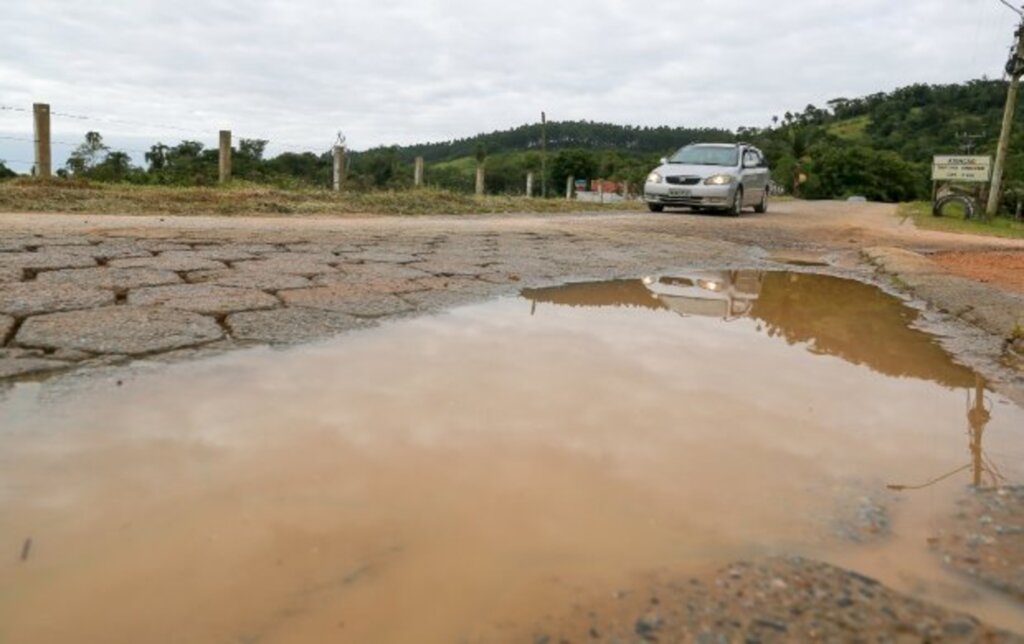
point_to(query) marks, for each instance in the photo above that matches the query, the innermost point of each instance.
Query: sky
(385, 72)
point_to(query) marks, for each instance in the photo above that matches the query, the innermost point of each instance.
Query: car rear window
(706, 155)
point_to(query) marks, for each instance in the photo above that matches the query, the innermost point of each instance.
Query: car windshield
(706, 155)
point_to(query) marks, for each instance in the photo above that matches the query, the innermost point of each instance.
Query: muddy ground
(80, 293)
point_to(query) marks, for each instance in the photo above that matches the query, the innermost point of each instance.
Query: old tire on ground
(967, 203)
(737, 203)
(762, 207)
(655, 207)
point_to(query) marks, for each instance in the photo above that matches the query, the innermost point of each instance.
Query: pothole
(493, 464)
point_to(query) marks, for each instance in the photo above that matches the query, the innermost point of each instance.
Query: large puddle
(458, 477)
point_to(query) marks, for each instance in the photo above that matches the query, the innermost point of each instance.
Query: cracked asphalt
(81, 291)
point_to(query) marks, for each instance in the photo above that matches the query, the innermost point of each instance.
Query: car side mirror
(663, 161)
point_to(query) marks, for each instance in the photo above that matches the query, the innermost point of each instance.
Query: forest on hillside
(879, 146)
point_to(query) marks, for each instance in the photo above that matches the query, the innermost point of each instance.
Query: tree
(579, 164)
(117, 166)
(252, 148)
(87, 155)
(248, 161)
(839, 171)
(5, 172)
(157, 157)
(378, 168)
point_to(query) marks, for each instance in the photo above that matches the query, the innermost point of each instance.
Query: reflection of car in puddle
(724, 294)
(845, 318)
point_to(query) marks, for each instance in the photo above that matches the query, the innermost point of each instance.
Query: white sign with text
(962, 168)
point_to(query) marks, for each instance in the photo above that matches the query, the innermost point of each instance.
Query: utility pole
(1015, 68)
(967, 142)
(41, 121)
(543, 155)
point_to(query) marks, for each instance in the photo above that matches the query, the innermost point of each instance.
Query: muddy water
(459, 477)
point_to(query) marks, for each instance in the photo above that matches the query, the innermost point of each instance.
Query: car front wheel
(655, 207)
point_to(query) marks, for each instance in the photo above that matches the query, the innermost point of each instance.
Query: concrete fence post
(600, 190)
(569, 183)
(41, 121)
(225, 156)
(480, 180)
(339, 167)
(529, 185)
(417, 178)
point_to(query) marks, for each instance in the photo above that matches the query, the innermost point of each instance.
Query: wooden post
(480, 180)
(417, 178)
(569, 183)
(529, 185)
(544, 155)
(625, 190)
(339, 167)
(225, 156)
(41, 120)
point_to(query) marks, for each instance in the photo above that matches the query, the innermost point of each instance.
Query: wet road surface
(473, 475)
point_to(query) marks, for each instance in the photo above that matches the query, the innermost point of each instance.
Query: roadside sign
(971, 169)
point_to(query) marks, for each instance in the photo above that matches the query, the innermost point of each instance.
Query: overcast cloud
(404, 71)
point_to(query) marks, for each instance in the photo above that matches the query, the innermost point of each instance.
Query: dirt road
(79, 291)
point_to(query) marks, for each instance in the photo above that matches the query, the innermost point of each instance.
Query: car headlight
(718, 180)
(654, 177)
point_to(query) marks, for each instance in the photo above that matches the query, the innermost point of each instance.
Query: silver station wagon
(727, 177)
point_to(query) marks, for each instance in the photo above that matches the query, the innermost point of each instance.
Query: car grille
(683, 181)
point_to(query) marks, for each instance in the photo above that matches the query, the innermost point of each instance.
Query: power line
(98, 119)
(69, 144)
(287, 145)
(1013, 8)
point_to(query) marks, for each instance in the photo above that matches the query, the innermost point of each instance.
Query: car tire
(762, 207)
(656, 207)
(737, 203)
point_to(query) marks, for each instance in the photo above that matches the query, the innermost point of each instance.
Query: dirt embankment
(1004, 269)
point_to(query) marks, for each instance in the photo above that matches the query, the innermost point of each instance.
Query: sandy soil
(1004, 269)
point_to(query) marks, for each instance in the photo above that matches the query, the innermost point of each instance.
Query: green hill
(881, 145)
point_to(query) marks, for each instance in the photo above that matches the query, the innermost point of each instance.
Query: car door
(754, 177)
(764, 175)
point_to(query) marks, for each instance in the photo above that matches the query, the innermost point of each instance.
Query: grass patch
(850, 129)
(60, 196)
(953, 222)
